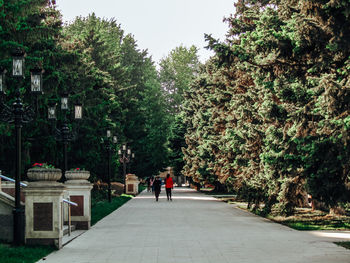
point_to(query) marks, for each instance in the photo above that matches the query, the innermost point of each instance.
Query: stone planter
(77, 175)
(44, 174)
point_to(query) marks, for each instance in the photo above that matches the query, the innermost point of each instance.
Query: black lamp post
(131, 159)
(18, 114)
(108, 144)
(124, 158)
(64, 134)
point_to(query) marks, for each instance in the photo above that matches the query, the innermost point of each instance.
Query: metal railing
(11, 180)
(70, 203)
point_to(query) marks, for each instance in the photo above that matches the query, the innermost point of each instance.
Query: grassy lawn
(306, 219)
(318, 225)
(23, 254)
(343, 244)
(142, 187)
(101, 208)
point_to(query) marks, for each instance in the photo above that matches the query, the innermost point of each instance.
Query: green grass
(318, 225)
(142, 187)
(343, 244)
(28, 254)
(23, 254)
(306, 219)
(102, 208)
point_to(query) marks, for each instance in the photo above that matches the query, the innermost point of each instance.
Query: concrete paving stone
(196, 228)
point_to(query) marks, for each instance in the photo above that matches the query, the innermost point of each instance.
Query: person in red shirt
(169, 184)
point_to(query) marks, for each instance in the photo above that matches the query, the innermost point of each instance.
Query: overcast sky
(159, 25)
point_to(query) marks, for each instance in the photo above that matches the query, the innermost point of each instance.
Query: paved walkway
(193, 228)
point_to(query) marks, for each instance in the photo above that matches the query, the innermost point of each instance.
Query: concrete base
(44, 221)
(7, 204)
(57, 242)
(79, 191)
(132, 184)
(81, 225)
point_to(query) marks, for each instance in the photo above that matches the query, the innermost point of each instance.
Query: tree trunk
(219, 187)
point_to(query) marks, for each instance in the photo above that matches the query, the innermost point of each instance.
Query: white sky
(159, 25)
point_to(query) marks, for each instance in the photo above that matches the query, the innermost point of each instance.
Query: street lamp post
(18, 114)
(131, 159)
(108, 144)
(124, 158)
(64, 134)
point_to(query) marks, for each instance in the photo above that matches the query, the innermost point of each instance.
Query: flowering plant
(43, 165)
(77, 169)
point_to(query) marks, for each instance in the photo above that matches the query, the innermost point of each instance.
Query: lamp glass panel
(64, 103)
(108, 133)
(1, 83)
(119, 152)
(52, 113)
(78, 112)
(124, 147)
(129, 151)
(36, 82)
(17, 67)
(115, 140)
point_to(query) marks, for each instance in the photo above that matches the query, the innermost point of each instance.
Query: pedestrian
(157, 184)
(169, 184)
(148, 181)
(151, 182)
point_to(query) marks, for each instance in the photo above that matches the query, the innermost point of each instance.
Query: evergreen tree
(283, 71)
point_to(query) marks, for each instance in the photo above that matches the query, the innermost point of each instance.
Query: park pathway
(193, 228)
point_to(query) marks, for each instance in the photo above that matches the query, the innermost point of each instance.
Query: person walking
(148, 181)
(169, 184)
(157, 184)
(151, 182)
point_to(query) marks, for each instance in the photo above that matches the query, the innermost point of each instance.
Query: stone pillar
(132, 184)
(79, 191)
(7, 204)
(43, 213)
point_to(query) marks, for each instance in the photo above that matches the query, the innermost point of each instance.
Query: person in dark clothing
(169, 184)
(157, 184)
(148, 181)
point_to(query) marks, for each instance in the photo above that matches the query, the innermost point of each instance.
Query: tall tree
(283, 72)
(177, 71)
(35, 27)
(121, 79)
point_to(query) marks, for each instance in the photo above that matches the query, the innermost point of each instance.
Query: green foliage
(343, 244)
(318, 225)
(102, 208)
(176, 143)
(176, 72)
(99, 66)
(34, 26)
(268, 114)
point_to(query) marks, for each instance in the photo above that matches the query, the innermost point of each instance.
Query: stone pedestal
(43, 213)
(79, 191)
(132, 184)
(7, 204)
